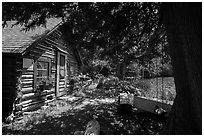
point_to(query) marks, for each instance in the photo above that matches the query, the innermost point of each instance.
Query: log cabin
(36, 66)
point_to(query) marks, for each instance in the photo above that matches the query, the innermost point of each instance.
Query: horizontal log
(35, 53)
(27, 86)
(58, 32)
(36, 95)
(50, 43)
(26, 102)
(61, 82)
(48, 56)
(61, 89)
(51, 90)
(51, 53)
(34, 102)
(45, 46)
(27, 76)
(29, 102)
(61, 86)
(44, 51)
(27, 90)
(32, 108)
(27, 72)
(40, 48)
(38, 51)
(37, 106)
(27, 82)
(53, 71)
(50, 96)
(29, 95)
(48, 101)
(24, 98)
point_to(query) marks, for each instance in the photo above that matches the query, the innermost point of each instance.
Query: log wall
(19, 78)
(46, 49)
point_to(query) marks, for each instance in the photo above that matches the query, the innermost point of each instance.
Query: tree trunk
(121, 71)
(184, 30)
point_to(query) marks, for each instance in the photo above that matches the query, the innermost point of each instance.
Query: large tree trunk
(184, 30)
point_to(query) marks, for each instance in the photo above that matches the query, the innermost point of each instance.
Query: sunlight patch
(106, 100)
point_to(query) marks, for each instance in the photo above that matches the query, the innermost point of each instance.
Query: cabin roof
(14, 40)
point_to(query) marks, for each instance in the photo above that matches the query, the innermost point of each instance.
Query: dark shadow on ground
(77, 112)
(111, 123)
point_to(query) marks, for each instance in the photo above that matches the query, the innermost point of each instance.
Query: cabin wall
(33, 98)
(11, 81)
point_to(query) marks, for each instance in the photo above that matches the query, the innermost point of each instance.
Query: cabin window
(42, 70)
(42, 73)
(62, 67)
(28, 63)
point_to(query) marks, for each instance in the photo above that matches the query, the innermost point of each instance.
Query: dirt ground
(73, 112)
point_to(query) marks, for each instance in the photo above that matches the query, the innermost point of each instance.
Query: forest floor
(72, 112)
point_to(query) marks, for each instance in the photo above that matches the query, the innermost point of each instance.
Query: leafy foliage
(114, 32)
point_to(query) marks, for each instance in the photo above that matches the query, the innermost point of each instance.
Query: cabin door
(61, 74)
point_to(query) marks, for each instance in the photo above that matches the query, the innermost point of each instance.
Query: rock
(92, 128)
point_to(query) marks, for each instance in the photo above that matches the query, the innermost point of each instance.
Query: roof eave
(40, 39)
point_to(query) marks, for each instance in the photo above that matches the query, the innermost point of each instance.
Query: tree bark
(121, 71)
(183, 22)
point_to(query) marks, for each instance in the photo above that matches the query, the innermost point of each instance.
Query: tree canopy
(120, 32)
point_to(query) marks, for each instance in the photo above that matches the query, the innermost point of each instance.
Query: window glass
(42, 70)
(62, 60)
(62, 67)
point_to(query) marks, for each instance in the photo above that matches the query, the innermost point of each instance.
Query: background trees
(116, 32)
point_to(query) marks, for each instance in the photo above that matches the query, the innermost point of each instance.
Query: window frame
(64, 65)
(46, 60)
